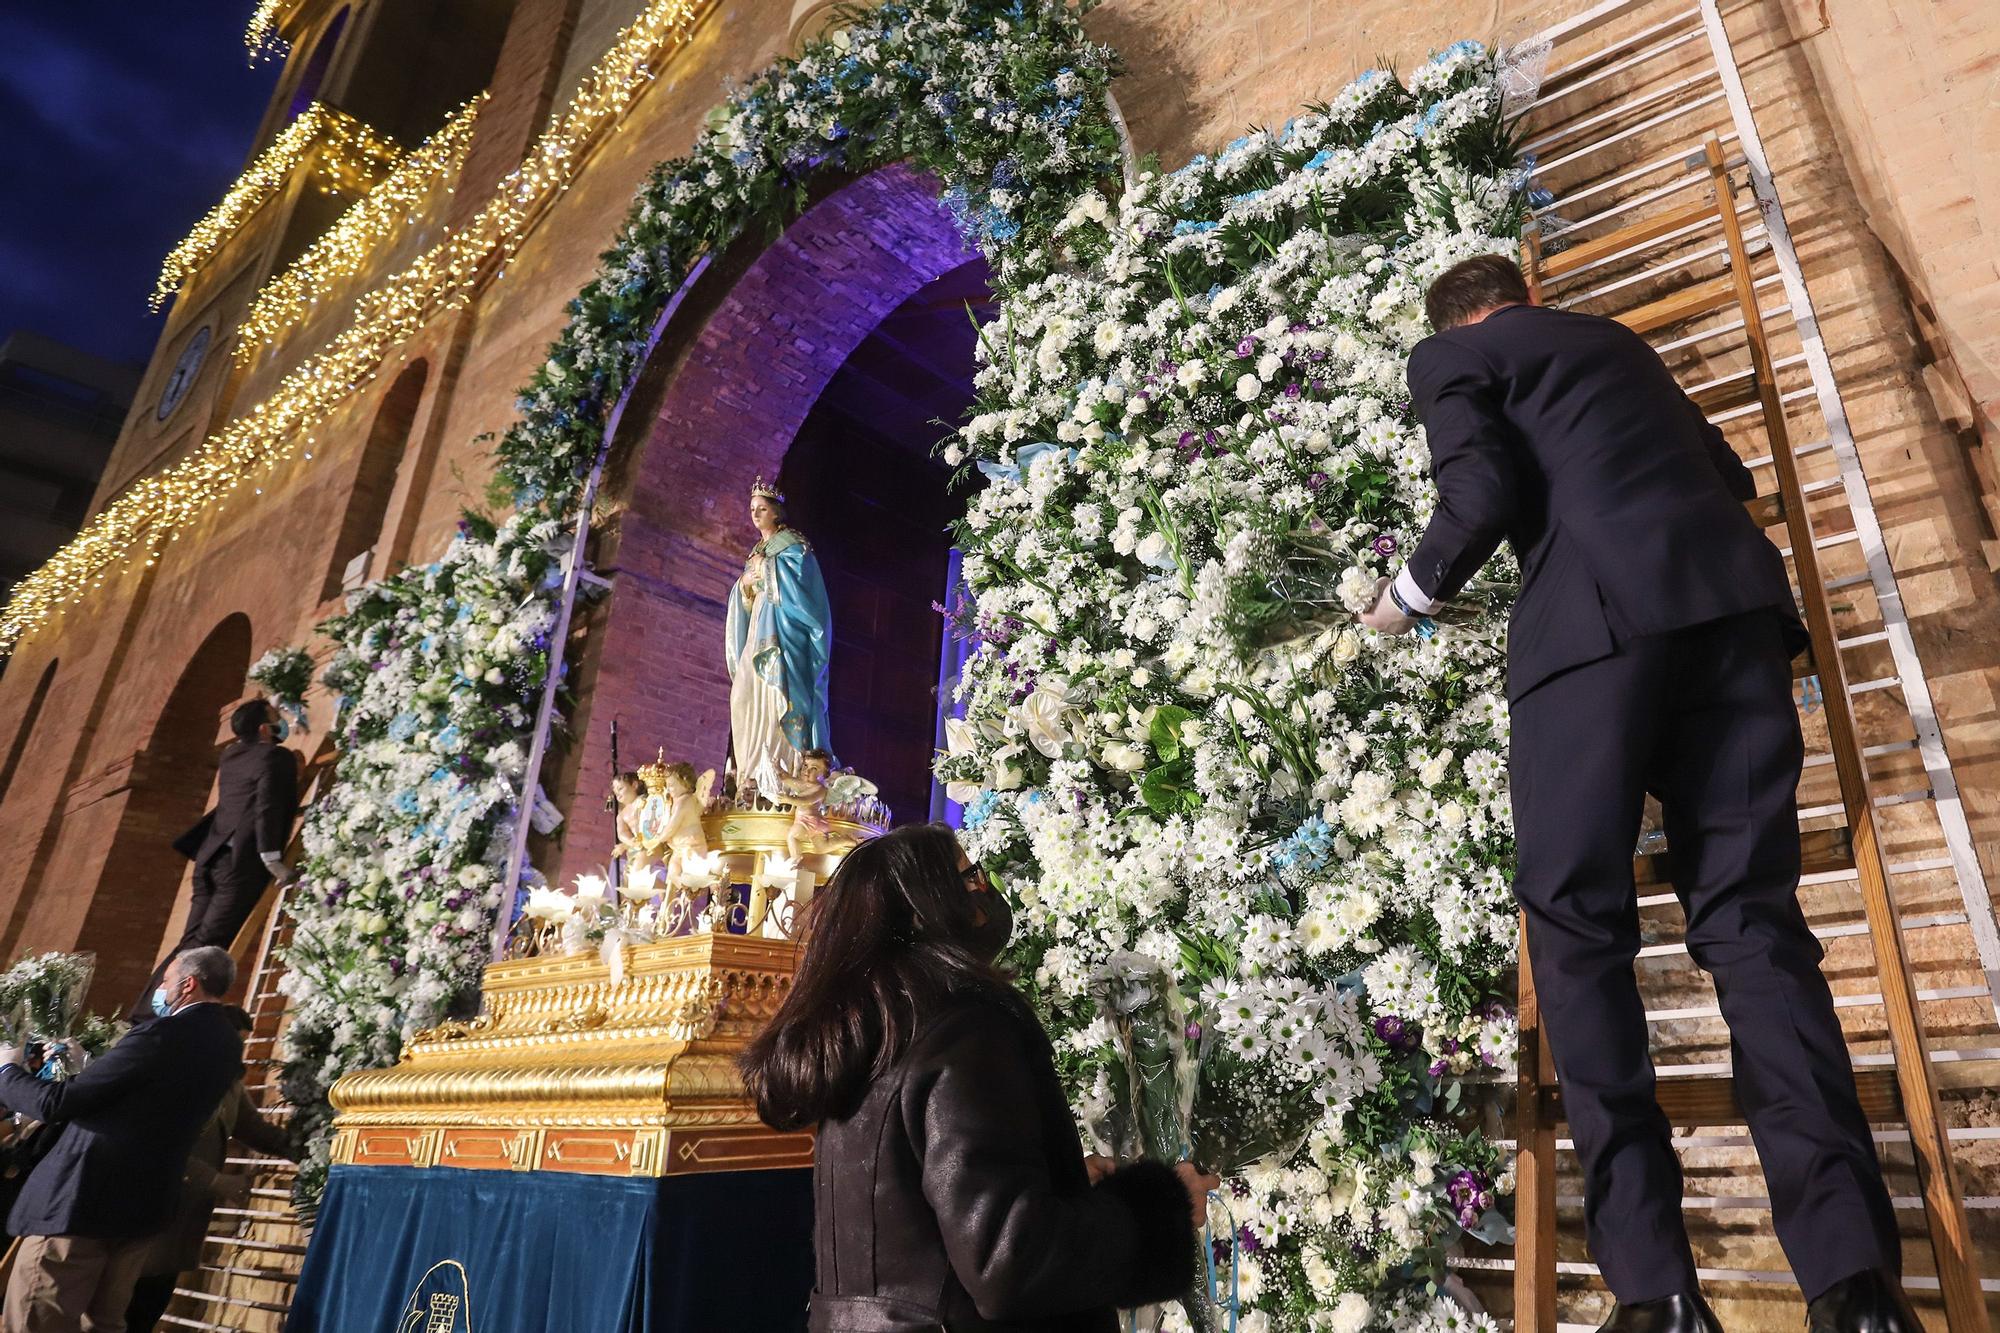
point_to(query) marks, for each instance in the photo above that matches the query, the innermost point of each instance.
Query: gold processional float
(608, 1040)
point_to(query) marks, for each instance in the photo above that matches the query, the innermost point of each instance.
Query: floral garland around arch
(437, 669)
(1176, 743)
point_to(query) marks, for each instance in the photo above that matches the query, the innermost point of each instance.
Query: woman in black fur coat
(950, 1191)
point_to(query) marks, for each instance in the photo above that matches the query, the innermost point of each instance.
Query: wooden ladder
(250, 1260)
(1906, 1092)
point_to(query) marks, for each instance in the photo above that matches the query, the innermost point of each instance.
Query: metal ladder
(1696, 275)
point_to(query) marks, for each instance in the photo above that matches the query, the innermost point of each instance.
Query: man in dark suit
(1649, 651)
(238, 847)
(126, 1123)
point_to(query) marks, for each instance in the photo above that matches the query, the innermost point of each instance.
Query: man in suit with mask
(1649, 651)
(88, 1211)
(239, 847)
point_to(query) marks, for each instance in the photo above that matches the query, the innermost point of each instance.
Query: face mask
(161, 1004)
(988, 940)
(279, 730)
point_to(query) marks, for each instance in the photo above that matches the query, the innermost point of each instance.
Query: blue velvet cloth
(399, 1250)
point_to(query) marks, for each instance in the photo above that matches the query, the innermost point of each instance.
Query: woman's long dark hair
(884, 946)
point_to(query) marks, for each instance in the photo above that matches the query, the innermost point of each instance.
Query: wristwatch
(1401, 605)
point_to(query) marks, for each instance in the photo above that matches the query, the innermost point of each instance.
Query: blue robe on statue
(779, 639)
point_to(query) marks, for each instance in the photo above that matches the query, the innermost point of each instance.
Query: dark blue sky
(120, 125)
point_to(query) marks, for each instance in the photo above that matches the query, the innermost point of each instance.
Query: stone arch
(734, 378)
(171, 779)
(375, 474)
(29, 717)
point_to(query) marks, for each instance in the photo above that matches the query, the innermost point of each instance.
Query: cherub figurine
(688, 797)
(669, 819)
(805, 792)
(629, 790)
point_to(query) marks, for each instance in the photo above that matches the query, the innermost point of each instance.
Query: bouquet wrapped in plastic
(41, 1001)
(1178, 1095)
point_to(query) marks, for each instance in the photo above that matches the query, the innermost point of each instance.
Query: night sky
(120, 125)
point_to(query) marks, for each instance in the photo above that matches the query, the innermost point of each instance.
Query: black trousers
(1703, 719)
(151, 1295)
(225, 893)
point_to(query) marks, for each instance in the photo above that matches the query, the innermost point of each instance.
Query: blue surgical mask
(161, 1004)
(279, 730)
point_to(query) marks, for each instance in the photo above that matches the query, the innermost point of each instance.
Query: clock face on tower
(185, 370)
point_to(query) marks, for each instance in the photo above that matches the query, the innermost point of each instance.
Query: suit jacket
(128, 1121)
(257, 793)
(955, 1198)
(1566, 435)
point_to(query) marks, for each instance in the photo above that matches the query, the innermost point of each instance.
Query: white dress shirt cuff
(1413, 596)
(276, 861)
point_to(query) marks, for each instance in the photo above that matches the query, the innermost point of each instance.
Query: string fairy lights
(346, 157)
(261, 37)
(396, 201)
(159, 507)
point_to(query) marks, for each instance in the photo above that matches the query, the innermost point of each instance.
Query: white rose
(1269, 364)
(1350, 1313)
(1152, 549)
(1248, 387)
(1347, 647)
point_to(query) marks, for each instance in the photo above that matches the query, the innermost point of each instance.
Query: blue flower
(1186, 228)
(981, 808)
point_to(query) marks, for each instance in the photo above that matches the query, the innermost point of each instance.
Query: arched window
(368, 502)
(313, 74)
(28, 719)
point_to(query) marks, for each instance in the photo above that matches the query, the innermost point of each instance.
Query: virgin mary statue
(779, 635)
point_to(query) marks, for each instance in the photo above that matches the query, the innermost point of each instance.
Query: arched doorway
(864, 485)
(173, 775)
(824, 364)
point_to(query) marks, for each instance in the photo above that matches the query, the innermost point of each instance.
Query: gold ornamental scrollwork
(584, 1018)
(600, 1070)
(455, 1029)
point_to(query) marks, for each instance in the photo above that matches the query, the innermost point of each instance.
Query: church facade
(826, 357)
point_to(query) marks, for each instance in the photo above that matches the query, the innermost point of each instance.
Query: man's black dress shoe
(1868, 1302)
(1687, 1313)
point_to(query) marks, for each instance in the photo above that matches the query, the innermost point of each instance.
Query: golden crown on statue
(766, 489)
(654, 775)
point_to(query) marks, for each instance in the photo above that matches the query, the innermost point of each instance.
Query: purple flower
(1248, 347)
(1248, 1240)
(1385, 545)
(1395, 1033)
(1315, 481)
(1292, 390)
(1438, 1067)
(1193, 1032)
